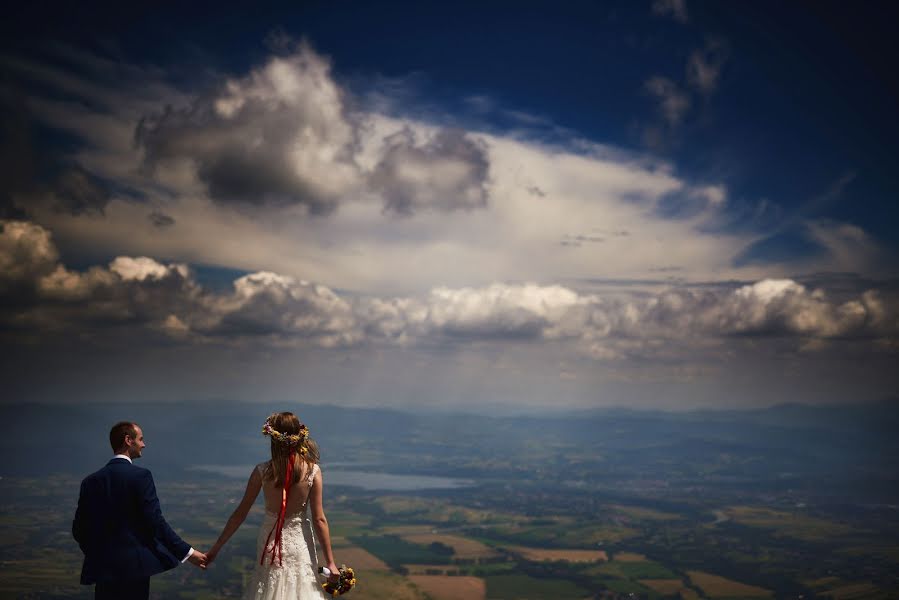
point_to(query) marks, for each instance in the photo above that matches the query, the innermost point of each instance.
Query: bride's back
(298, 492)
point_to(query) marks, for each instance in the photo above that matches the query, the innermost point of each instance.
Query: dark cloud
(160, 220)
(446, 173)
(234, 171)
(578, 240)
(536, 191)
(279, 136)
(77, 192)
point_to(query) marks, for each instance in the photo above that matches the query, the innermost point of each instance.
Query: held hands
(198, 559)
(211, 554)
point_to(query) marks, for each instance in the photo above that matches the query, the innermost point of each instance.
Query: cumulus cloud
(142, 292)
(445, 173)
(284, 136)
(278, 136)
(269, 304)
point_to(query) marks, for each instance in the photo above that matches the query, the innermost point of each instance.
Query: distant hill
(848, 446)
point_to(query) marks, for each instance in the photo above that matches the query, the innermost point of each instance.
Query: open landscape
(676, 508)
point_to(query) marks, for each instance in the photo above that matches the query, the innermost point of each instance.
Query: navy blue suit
(120, 527)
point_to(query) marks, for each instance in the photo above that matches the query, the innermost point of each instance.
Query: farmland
(638, 522)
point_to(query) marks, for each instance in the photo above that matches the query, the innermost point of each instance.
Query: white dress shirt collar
(125, 456)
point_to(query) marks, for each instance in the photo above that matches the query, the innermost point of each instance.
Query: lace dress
(297, 577)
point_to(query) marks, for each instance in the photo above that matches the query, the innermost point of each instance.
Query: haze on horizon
(663, 204)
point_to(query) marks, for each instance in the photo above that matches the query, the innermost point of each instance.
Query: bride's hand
(211, 554)
(335, 573)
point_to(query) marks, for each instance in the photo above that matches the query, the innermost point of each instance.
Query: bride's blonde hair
(306, 452)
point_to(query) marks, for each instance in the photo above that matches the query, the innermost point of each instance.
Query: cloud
(446, 173)
(693, 201)
(285, 140)
(831, 245)
(279, 136)
(673, 102)
(268, 304)
(27, 252)
(704, 65)
(80, 193)
(160, 220)
(140, 292)
(675, 9)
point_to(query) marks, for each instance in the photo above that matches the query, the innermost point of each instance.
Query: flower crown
(295, 439)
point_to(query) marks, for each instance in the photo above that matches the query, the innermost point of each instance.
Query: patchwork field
(628, 557)
(376, 585)
(522, 587)
(553, 554)
(463, 547)
(714, 586)
(666, 587)
(794, 524)
(634, 570)
(440, 587)
(360, 559)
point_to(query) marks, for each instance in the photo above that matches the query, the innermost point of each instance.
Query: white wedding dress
(296, 577)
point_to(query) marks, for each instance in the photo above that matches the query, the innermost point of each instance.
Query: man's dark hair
(119, 431)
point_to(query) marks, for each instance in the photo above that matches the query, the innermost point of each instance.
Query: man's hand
(198, 559)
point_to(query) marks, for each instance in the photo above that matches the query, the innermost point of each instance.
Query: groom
(120, 527)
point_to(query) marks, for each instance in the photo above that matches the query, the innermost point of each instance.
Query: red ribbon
(278, 527)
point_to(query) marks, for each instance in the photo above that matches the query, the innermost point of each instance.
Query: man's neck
(125, 456)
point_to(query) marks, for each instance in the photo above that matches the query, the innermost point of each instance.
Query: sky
(490, 207)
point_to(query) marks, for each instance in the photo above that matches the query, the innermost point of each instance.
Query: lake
(366, 480)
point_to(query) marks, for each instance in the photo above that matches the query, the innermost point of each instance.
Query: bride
(291, 482)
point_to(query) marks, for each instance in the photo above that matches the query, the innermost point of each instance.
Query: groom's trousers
(133, 589)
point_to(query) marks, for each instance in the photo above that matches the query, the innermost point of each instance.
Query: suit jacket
(120, 527)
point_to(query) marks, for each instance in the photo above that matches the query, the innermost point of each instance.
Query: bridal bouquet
(345, 582)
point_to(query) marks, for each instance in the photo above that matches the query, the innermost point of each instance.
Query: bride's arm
(320, 522)
(239, 514)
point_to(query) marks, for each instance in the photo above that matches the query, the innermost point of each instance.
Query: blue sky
(588, 202)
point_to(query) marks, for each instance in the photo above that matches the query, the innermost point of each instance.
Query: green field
(522, 587)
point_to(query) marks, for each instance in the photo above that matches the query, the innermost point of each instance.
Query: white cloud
(143, 292)
(142, 268)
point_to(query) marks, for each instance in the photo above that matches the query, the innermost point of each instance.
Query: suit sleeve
(80, 525)
(152, 514)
